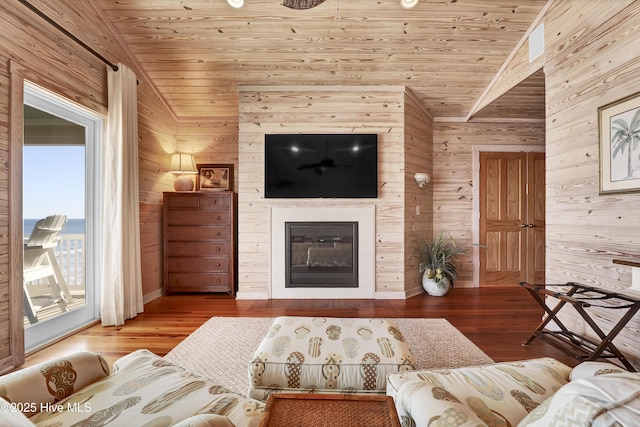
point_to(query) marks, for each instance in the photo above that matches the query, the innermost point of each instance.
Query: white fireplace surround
(366, 219)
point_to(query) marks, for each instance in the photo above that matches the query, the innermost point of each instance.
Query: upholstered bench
(327, 355)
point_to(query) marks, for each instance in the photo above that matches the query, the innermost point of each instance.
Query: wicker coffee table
(329, 410)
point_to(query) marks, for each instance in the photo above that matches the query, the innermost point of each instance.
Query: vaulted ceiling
(446, 51)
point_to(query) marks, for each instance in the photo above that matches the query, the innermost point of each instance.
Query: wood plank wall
(585, 230)
(211, 141)
(564, 23)
(58, 62)
(323, 109)
(418, 157)
(590, 60)
(453, 175)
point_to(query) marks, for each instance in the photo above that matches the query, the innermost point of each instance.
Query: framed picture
(215, 177)
(619, 124)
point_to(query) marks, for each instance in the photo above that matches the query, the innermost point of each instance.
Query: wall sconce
(183, 165)
(236, 3)
(421, 179)
(408, 4)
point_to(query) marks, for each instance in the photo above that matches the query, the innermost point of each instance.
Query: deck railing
(70, 256)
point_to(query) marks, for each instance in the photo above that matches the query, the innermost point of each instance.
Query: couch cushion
(11, 415)
(602, 400)
(147, 390)
(496, 394)
(206, 420)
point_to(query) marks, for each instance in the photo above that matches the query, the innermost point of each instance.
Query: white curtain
(121, 275)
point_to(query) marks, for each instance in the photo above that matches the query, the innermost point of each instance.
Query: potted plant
(438, 262)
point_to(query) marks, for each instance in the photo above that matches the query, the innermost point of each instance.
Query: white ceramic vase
(434, 288)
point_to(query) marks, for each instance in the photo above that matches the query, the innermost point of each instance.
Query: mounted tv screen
(321, 165)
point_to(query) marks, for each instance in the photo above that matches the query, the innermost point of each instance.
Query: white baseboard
(252, 295)
(378, 295)
(390, 295)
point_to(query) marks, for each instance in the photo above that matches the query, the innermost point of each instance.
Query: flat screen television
(321, 165)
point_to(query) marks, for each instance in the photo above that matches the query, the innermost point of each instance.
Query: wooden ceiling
(197, 52)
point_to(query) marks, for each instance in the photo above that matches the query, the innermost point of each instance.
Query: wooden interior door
(535, 233)
(511, 218)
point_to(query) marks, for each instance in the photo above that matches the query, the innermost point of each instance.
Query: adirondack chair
(40, 263)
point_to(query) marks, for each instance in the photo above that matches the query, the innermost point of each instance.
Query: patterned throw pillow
(607, 400)
(591, 369)
(52, 381)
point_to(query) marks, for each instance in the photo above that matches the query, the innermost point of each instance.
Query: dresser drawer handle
(218, 217)
(179, 264)
(214, 201)
(179, 249)
(179, 233)
(218, 249)
(218, 264)
(178, 280)
(218, 233)
(218, 280)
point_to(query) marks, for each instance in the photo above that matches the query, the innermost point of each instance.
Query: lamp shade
(182, 164)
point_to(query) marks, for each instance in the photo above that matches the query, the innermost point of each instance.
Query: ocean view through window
(60, 194)
(73, 226)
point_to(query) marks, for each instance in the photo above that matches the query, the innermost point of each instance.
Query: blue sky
(53, 181)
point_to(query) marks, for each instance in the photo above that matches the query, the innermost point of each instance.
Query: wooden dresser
(199, 242)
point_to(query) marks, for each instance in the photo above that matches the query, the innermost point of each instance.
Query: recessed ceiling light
(408, 4)
(236, 3)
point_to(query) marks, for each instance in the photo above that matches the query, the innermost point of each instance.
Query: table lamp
(183, 165)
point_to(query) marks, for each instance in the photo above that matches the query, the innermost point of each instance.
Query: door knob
(523, 225)
(531, 225)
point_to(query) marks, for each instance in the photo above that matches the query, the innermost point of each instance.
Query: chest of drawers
(199, 242)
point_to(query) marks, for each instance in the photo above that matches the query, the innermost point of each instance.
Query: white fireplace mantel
(364, 216)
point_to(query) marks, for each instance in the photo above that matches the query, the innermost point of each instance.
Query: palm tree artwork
(626, 136)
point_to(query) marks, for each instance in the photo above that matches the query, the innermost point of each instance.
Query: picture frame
(215, 177)
(619, 137)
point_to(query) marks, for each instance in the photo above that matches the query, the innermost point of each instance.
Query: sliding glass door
(60, 213)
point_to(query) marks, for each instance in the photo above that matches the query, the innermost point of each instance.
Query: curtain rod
(68, 34)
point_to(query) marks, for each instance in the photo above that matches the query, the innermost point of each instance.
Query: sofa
(532, 393)
(143, 389)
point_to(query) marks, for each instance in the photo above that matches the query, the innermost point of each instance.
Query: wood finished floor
(496, 319)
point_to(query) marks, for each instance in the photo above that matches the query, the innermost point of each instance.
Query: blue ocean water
(73, 226)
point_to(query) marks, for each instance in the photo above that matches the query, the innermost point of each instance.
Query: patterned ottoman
(327, 355)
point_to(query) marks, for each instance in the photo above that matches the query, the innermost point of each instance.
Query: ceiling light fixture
(236, 3)
(301, 4)
(408, 4)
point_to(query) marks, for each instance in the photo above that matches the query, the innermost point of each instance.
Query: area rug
(222, 347)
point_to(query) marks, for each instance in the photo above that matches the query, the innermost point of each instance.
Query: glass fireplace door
(321, 254)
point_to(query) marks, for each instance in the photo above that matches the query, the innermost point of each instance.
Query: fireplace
(321, 254)
(358, 221)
